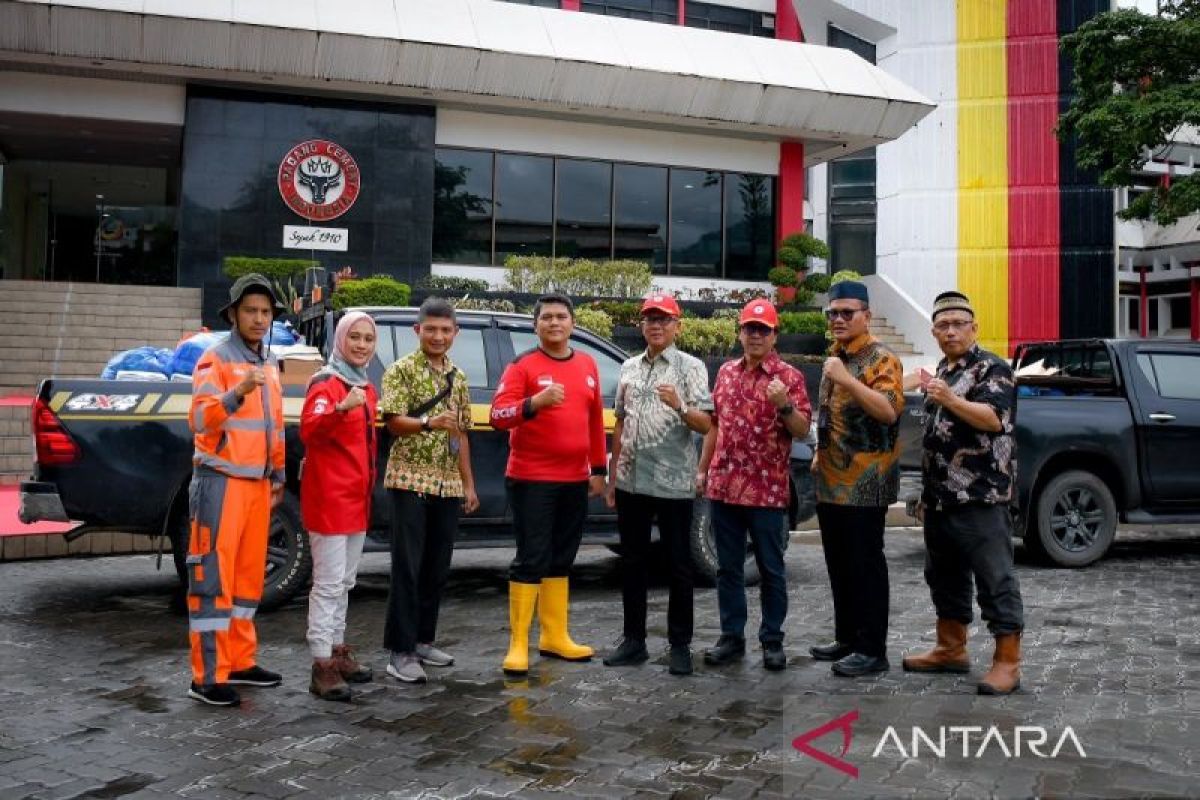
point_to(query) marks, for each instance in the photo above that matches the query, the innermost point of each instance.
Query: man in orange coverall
(238, 474)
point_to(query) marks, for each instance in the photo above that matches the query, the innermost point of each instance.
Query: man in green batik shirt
(427, 407)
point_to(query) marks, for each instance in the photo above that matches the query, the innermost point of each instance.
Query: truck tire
(289, 559)
(1075, 522)
(704, 546)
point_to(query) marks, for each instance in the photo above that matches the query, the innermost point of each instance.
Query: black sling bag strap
(428, 405)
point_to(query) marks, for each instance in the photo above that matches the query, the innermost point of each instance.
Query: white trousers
(335, 566)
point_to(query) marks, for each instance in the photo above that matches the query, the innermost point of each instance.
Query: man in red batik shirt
(549, 398)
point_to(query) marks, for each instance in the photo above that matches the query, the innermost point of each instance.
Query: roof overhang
(483, 54)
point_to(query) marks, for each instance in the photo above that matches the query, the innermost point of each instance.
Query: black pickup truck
(1107, 431)
(116, 455)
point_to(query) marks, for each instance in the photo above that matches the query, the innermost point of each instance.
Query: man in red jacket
(550, 399)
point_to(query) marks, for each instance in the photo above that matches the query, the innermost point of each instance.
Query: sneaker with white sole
(216, 694)
(433, 657)
(406, 667)
(255, 676)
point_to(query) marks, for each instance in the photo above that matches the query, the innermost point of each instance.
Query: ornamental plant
(594, 320)
(707, 337)
(796, 249)
(844, 275)
(378, 290)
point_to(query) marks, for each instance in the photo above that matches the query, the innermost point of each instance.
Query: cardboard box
(297, 371)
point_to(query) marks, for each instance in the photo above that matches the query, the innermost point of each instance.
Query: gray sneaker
(433, 657)
(406, 667)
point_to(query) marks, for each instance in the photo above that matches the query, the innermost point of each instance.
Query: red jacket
(339, 459)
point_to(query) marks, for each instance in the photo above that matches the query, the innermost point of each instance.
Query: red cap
(662, 302)
(760, 311)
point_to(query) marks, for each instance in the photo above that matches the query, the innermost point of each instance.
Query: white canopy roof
(483, 53)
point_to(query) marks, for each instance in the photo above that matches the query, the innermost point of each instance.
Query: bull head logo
(319, 175)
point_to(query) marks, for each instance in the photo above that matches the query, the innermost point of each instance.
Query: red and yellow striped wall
(1034, 233)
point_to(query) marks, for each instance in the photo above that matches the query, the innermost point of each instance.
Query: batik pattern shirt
(658, 453)
(425, 462)
(858, 457)
(753, 450)
(963, 464)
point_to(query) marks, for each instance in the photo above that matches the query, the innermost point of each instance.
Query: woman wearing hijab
(337, 427)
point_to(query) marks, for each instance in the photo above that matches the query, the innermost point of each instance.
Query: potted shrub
(785, 280)
(796, 249)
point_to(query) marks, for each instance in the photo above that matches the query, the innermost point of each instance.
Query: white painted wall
(528, 134)
(93, 98)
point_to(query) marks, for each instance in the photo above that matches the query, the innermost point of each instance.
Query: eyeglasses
(757, 329)
(955, 324)
(846, 314)
(657, 320)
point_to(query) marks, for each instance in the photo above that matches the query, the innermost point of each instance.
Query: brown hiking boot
(948, 655)
(1005, 675)
(327, 682)
(350, 669)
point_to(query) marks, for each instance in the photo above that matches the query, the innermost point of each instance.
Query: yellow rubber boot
(552, 617)
(522, 600)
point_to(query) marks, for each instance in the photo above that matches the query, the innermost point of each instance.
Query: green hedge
(817, 282)
(707, 337)
(620, 312)
(809, 322)
(380, 290)
(845, 275)
(278, 268)
(484, 304)
(451, 283)
(594, 320)
(577, 276)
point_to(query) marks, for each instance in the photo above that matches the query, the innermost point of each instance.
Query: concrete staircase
(71, 330)
(891, 337)
(16, 444)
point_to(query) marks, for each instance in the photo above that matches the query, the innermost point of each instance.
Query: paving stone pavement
(93, 675)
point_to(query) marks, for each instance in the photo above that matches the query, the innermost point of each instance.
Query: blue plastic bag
(183, 361)
(139, 359)
(282, 335)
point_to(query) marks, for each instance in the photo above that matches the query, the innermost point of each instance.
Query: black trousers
(968, 541)
(852, 537)
(548, 522)
(636, 513)
(423, 530)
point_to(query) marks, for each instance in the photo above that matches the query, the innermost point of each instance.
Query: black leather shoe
(858, 664)
(681, 660)
(727, 650)
(629, 653)
(774, 658)
(834, 651)
(255, 676)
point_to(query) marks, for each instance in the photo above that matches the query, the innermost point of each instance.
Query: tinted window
(651, 10)
(749, 226)
(609, 367)
(641, 211)
(462, 206)
(1178, 375)
(732, 20)
(584, 228)
(385, 347)
(467, 352)
(695, 222)
(524, 205)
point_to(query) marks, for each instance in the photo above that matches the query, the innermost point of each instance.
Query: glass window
(385, 346)
(852, 245)
(524, 205)
(542, 3)
(462, 206)
(640, 197)
(695, 222)
(584, 208)
(848, 41)
(652, 10)
(731, 20)
(1178, 375)
(749, 226)
(1181, 312)
(608, 366)
(467, 352)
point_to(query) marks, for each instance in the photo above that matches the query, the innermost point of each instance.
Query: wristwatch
(682, 412)
(786, 411)
(425, 423)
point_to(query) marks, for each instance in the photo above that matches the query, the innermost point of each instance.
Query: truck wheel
(289, 560)
(289, 557)
(1076, 520)
(704, 546)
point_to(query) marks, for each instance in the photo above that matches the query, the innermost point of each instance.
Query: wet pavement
(93, 679)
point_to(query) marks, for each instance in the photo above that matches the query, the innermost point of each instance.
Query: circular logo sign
(319, 180)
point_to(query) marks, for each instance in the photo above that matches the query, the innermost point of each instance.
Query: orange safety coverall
(239, 455)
